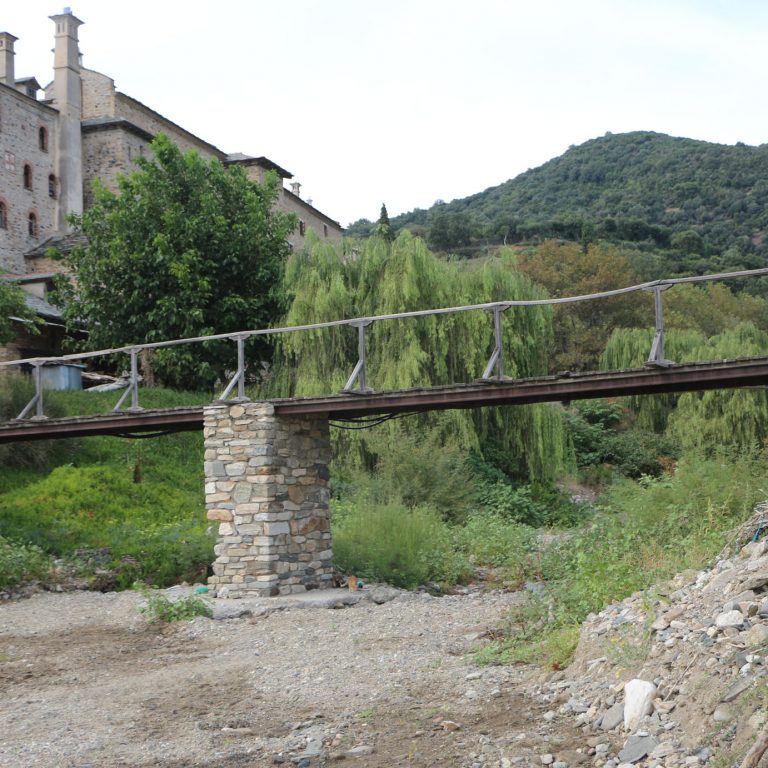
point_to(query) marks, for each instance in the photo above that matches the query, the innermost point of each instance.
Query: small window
(3, 216)
(32, 225)
(52, 186)
(27, 176)
(302, 228)
(43, 135)
(325, 230)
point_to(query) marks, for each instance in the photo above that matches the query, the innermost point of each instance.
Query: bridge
(266, 463)
(720, 374)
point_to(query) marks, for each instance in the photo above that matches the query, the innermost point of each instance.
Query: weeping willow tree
(701, 421)
(629, 348)
(327, 282)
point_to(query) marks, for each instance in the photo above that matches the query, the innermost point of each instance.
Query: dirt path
(87, 683)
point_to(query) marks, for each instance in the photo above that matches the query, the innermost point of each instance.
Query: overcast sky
(408, 101)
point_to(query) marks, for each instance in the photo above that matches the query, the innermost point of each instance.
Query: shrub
(389, 542)
(488, 539)
(161, 609)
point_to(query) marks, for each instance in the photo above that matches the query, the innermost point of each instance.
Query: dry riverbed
(88, 683)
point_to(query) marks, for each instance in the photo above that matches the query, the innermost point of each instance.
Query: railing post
(656, 357)
(239, 378)
(37, 401)
(497, 357)
(358, 374)
(133, 384)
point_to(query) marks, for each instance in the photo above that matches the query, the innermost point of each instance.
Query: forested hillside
(703, 206)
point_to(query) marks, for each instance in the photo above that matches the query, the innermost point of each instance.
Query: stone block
(241, 493)
(223, 515)
(256, 529)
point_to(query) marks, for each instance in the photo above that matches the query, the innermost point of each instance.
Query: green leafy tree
(185, 248)
(12, 305)
(583, 328)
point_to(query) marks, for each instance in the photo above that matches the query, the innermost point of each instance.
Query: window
(27, 176)
(302, 228)
(43, 135)
(325, 230)
(3, 215)
(32, 225)
(52, 186)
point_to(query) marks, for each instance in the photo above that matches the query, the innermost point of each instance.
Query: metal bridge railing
(494, 370)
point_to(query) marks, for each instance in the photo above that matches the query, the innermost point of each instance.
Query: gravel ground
(88, 683)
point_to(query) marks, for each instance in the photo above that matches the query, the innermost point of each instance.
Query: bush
(599, 438)
(488, 539)
(21, 562)
(389, 542)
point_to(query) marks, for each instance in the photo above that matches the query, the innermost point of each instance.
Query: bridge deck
(721, 374)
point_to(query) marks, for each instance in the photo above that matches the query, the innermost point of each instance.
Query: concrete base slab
(233, 608)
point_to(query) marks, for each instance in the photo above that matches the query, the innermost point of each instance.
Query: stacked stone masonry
(266, 485)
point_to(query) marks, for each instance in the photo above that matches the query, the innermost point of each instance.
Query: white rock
(729, 619)
(638, 702)
(547, 759)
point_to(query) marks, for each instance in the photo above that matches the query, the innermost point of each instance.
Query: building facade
(53, 147)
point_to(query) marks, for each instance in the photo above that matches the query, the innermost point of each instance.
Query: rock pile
(669, 677)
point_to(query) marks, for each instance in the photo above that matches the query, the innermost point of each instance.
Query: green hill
(705, 205)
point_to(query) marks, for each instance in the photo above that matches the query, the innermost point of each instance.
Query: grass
(646, 532)
(140, 499)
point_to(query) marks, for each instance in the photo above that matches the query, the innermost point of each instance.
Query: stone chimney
(7, 73)
(67, 99)
(296, 188)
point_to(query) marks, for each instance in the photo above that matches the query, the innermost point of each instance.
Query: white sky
(408, 101)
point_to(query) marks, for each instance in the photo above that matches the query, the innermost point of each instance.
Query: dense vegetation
(703, 206)
(632, 489)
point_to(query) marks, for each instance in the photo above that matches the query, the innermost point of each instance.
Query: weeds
(21, 562)
(160, 609)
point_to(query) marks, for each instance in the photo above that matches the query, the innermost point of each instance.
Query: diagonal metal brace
(358, 373)
(239, 378)
(656, 359)
(497, 357)
(133, 385)
(37, 401)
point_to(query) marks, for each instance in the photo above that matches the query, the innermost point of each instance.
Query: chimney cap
(68, 15)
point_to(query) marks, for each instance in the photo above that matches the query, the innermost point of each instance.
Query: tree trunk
(145, 365)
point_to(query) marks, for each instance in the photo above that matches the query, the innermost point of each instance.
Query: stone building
(82, 128)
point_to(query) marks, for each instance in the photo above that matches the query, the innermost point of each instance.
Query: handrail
(360, 323)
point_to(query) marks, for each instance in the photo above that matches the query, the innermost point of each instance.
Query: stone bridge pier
(266, 484)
